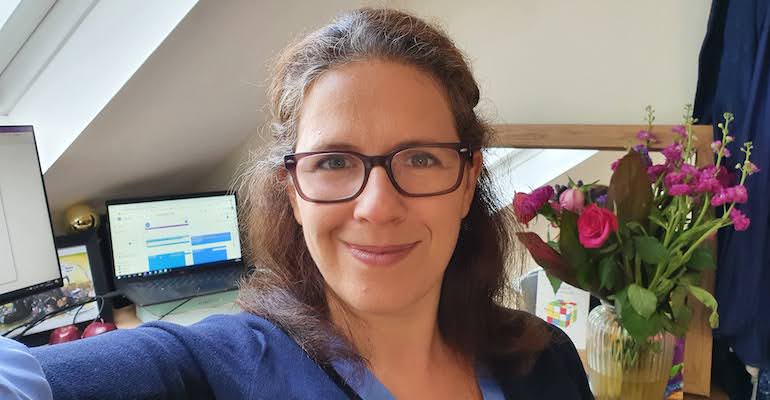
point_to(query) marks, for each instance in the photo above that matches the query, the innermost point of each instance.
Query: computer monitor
(163, 235)
(28, 260)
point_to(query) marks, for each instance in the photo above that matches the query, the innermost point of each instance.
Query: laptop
(174, 247)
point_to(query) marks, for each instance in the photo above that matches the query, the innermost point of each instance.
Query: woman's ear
(474, 170)
(291, 193)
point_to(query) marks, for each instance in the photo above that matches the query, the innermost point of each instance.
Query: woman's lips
(380, 255)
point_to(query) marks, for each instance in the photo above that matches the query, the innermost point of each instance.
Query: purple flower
(646, 136)
(673, 152)
(655, 171)
(726, 152)
(642, 149)
(601, 200)
(679, 189)
(740, 220)
(680, 130)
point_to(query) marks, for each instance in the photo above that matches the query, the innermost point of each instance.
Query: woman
(381, 264)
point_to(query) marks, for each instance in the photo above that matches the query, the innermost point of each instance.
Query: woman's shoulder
(557, 371)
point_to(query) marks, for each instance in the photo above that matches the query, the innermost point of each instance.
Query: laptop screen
(151, 237)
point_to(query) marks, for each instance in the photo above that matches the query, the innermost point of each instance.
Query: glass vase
(618, 368)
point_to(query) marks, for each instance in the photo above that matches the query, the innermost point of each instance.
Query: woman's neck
(392, 341)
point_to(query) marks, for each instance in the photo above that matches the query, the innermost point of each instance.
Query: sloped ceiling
(195, 100)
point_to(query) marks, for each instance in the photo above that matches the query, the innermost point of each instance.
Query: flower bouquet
(639, 244)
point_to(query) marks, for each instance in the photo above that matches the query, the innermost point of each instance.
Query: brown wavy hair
(286, 287)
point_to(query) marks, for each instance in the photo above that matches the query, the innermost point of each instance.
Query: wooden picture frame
(698, 341)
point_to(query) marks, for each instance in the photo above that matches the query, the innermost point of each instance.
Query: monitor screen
(152, 236)
(28, 259)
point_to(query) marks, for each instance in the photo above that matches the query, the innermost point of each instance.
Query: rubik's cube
(561, 313)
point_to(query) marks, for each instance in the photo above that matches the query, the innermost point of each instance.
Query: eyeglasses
(415, 171)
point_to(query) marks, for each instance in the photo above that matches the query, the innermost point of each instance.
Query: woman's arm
(21, 377)
(148, 362)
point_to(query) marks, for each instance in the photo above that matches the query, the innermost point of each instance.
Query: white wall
(577, 61)
(557, 61)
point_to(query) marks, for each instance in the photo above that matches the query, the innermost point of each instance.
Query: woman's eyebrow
(343, 146)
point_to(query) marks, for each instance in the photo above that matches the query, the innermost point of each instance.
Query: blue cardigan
(242, 356)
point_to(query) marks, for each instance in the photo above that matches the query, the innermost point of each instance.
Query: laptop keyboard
(160, 290)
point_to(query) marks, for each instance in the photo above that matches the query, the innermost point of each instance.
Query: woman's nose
(379, 202)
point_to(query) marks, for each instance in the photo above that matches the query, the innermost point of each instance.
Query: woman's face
(381, 252)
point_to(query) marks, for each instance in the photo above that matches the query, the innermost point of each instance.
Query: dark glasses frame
(464, 150)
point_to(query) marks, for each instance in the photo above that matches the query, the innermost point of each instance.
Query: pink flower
(655, 171)
(646, 136)
(595, 225)
(707, 184)
(739, 194)
(726, 152)
(716, 145)
(740, 220)
(673, 152)
(721, 198)
(679, 189)
(523, 208)
(614, 165)
(680, 130)
(673, 178)
(572, 200)
(526, 206)
(690, 170)
(541, 195)
(753, 169)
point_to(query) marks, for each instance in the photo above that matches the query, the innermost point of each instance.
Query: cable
(174, 309)
(31, 324)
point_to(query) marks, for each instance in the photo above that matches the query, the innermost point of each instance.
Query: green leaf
(701, 260)
(630, 190)
(650, 249)
(709, 301)
(609, 273)
(638, 327)
(555, 282)
(642, 300)
(574, 253)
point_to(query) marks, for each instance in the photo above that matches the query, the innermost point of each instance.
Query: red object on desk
(97, 328)
(64, 334)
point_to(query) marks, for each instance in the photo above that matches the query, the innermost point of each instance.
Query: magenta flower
(707, 183)
(689, 170)
(674, 178)
(673, 152)
(679, 189)
(740, 221)
(614, 165)
(655, 171)
(572, 200)
(724, 176)
(526, 206)
(646, 136)
(721, 198)
(680, 130)
(739, 194)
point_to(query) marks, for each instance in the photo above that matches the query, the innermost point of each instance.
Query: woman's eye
(332, 163)
(422, 160)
